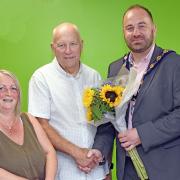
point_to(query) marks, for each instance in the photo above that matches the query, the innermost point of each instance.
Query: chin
(137, 49)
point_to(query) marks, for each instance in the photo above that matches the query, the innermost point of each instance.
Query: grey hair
(62, 25)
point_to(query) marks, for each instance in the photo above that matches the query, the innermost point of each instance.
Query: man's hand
(95, 158)
(96, 154)
(81, 157)
(129, 139)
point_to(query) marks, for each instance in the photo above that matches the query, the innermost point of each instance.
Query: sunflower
(88, 97)
(89, 114)
(112, 95)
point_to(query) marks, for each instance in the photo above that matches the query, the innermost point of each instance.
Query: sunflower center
(111, 95)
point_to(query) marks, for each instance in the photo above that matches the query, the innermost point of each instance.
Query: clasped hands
(88, 159)
(129, 139)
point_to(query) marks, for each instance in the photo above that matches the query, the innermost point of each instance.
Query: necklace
(9, 129)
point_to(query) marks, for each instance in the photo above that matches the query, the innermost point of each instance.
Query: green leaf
(97, 113)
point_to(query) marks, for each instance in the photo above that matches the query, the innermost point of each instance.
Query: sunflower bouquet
(113, 98)
(99, 101)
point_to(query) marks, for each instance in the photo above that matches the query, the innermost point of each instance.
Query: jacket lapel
(147, 78)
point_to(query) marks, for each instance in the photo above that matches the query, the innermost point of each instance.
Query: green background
(26, 26)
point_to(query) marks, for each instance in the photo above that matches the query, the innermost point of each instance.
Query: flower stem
(138, 164)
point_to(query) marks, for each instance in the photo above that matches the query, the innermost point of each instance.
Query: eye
(141, 25)
(61, 46)
(129, 28)
(2, 88)
(74, 44)
(14, 88)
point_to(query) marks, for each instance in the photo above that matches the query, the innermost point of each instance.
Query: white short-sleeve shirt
(57, 96)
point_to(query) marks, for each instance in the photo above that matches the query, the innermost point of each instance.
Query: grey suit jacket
(156, 117)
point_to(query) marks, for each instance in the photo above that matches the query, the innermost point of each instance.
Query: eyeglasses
(4, 88)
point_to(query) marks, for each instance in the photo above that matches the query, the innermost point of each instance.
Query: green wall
(26, 26)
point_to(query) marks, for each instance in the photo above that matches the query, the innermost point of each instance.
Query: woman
(25, 151)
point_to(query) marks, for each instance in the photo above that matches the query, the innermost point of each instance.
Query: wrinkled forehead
(66, 34)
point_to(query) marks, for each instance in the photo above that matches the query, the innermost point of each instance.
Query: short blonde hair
(13, 77)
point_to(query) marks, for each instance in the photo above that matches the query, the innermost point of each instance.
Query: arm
(164, 128)
(104, 139)
(65, 146)
(160, 121)
(39, 91)
(6, 175)
(51, 161)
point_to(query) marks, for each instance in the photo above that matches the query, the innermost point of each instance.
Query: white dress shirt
(57, 96)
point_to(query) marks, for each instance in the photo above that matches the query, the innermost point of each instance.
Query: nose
(136, 32)
(68, 49)
(8, 91)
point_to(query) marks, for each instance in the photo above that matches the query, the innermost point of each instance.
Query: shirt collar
(143, 63)
(63, 72)
(146, 58)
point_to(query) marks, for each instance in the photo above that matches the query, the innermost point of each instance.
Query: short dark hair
(140, 7)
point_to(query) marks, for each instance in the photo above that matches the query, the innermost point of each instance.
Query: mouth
(69, 58)
(138, 40)
(7, 100)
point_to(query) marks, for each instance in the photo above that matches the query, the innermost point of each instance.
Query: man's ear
(82, 45)
(52, 46)
(154, 30)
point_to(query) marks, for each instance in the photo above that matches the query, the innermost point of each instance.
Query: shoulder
(169, 64)
(43, 69)
(117, 63)
(33, 121)
(170, 57)
(172, 60)
(43, 73)
(29, 117)
(174, 57)
(114, 67)
(89, 69)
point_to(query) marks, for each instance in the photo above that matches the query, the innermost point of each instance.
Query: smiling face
(67, 47)
(139, 30)
(9, 94)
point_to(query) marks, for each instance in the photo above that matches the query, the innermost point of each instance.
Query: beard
(141, 47)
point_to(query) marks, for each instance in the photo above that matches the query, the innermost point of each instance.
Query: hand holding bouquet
(113, 98)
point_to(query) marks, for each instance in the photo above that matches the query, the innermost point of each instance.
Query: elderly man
(55, 98)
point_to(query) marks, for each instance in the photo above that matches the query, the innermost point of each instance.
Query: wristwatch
(102, 162)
